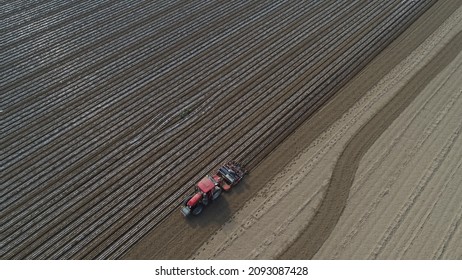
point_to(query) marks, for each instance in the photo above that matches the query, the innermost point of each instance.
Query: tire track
(378, 161)
(417, 231)
(335, 198)
(404, 211)
(455, 225)
(200, 229)
(428, 131)
(126, 215)
(277, 193)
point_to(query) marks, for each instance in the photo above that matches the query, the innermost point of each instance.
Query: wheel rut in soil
(337, 192)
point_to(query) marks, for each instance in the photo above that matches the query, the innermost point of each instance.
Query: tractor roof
(206, 184)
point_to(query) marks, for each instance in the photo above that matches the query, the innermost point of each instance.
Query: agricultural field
(382, 182)
(112, 110)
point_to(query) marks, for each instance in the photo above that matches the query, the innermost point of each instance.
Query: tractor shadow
(217, 212)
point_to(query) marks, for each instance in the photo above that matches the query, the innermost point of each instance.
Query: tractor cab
(208, 183)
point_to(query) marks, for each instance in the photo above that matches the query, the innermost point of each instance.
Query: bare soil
(337, 193)
(111, 111)
(211, 235)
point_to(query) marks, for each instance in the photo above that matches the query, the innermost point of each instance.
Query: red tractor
(210, 187)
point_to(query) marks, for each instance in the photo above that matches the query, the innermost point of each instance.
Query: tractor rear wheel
(197, 209)
(216, 193)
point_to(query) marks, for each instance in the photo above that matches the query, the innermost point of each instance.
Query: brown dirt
(336, 195)
(97, 151)
(176, 239)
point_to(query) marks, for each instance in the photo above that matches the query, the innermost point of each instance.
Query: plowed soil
(112, 110)
(256, 230)
(300, 209)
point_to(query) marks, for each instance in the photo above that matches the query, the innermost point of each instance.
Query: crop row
(99, 160)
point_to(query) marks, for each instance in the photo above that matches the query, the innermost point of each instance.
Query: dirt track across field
(404, 197)
(337, 192)
(112, 110)
(248, 233)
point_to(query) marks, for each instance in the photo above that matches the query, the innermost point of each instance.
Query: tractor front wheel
(197, 209)
(216, 193)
